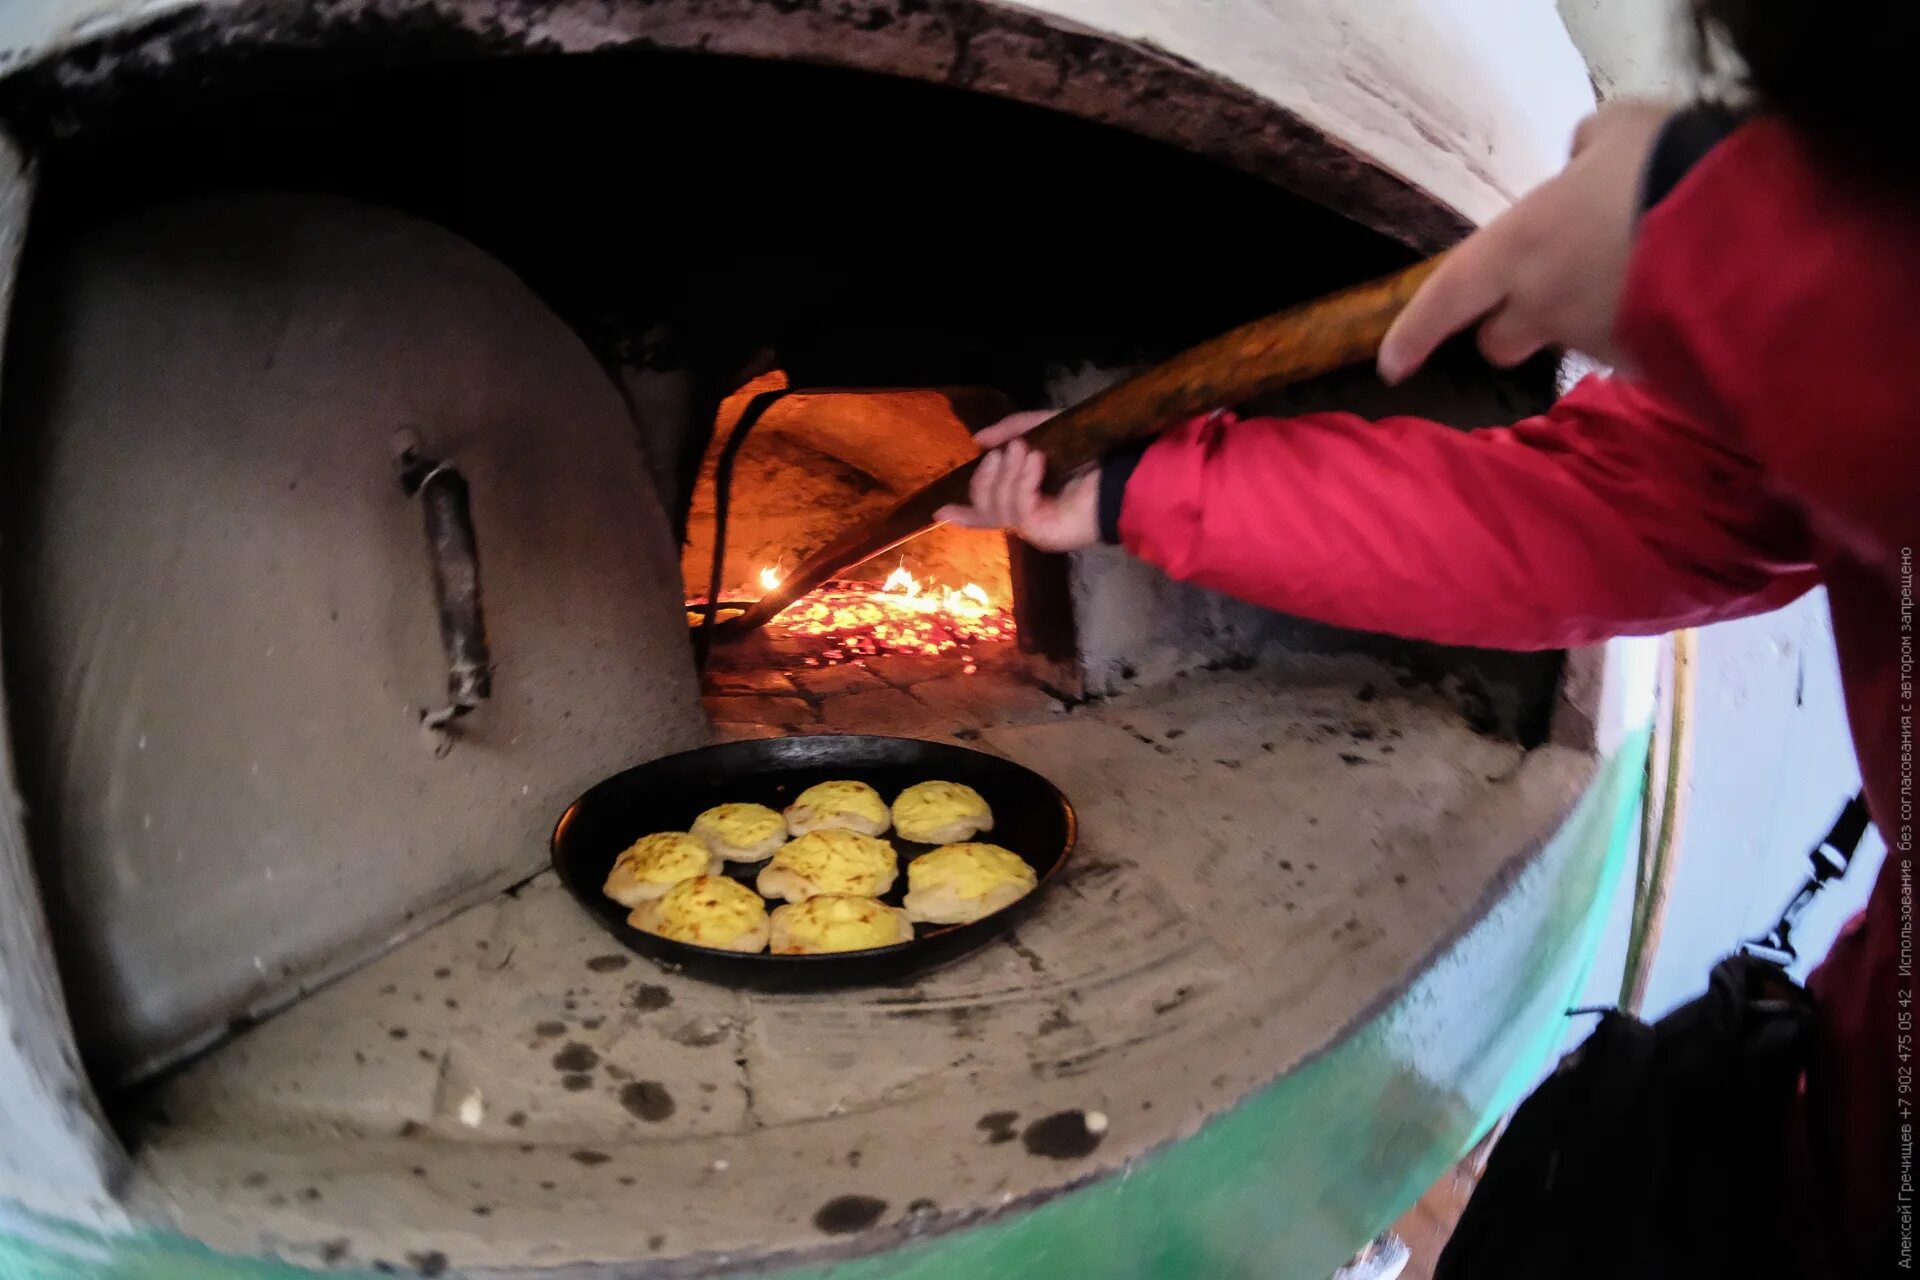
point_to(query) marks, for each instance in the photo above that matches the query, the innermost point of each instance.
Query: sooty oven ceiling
(696, 214)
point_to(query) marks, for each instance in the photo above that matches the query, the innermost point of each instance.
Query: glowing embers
(846, 620)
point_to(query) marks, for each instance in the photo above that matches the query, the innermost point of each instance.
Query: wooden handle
(1290, 346)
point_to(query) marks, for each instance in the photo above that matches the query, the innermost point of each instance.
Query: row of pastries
(826, 858)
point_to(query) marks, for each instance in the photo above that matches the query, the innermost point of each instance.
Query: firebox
(385, 421)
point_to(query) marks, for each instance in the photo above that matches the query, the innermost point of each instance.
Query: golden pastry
(838, 806)
(707, 911)
(837, 922)
(654, 864)
(741, 832)
(940, 813)
(839, 862)
(963, 882)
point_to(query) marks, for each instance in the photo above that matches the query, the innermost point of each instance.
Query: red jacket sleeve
(1771, 294)
(1611, 514)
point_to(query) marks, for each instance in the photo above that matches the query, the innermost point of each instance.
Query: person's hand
(1005, 492)
(1550, 270)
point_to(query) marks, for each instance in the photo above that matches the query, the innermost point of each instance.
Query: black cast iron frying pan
(1031, 817)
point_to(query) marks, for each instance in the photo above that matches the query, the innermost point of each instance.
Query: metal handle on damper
(453, 550)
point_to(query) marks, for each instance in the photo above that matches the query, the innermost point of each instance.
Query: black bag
(1660, 1150)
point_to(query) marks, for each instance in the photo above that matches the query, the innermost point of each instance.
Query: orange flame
(855, 620)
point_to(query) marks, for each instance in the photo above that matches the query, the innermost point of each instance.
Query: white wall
(1634, 47)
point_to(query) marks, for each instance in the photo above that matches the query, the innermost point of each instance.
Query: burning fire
(856, 620)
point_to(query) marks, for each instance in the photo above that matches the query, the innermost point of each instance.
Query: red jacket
(1771, 443)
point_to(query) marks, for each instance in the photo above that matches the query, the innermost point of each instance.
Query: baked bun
(741, 832)
(835, 862)
(838, 806)
(961, 883)
(940, 813)
(654, 864)
(707, 911)
(837, 922)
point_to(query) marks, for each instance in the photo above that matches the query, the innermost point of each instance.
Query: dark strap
(1683, 142)
(1830, 859)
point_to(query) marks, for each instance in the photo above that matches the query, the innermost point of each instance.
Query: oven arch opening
(798, 277)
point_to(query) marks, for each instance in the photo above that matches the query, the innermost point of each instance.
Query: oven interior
(309, 946)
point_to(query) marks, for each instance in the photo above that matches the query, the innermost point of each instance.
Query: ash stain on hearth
(1057, 1020)
(608, 963)
(844, 1215)
(650, 997)
(1026, 953)
(647, 1100)
(1064, 1135)
(965, 1021)
(577, 1082)
(575, 1057)
(998, 1126)
(548, 1030)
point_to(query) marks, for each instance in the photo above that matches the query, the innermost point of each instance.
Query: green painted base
(1284, 1187)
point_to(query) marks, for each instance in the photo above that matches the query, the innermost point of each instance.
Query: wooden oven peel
(1264, 355)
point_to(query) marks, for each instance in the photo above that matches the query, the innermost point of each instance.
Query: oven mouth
(1159, 707)
(826, 460)
(677, 309)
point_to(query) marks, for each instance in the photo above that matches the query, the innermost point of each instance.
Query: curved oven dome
(1332, 891)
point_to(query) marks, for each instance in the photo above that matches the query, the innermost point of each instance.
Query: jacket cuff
(1114, 474)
